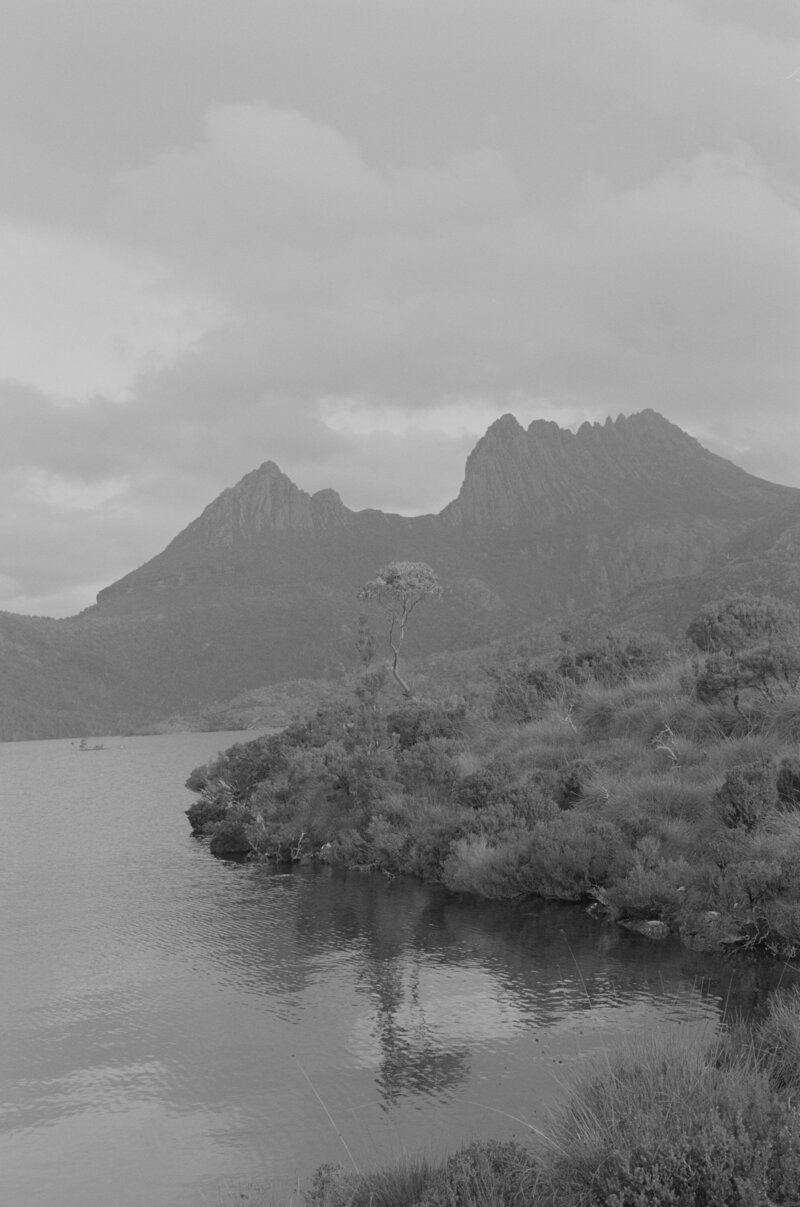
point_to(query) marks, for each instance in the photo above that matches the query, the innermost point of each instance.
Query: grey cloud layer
(400, 208)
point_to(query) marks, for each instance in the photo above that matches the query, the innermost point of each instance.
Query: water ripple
(165, 1016)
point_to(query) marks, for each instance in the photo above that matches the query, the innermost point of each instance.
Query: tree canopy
(752, 643)
(740, 621)
(397, 588)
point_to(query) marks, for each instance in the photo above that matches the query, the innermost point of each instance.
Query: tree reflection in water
(411, 1058)
(537, 965)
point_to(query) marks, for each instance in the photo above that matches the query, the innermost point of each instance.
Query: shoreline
(660, 784)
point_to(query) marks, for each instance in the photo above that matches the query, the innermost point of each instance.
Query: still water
(173, 1025)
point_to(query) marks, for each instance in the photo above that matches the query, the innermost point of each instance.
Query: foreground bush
(747, 795)
(488, 1174)
(788, 783)
(404, 1183)
(685, 1123)
(669, 1121)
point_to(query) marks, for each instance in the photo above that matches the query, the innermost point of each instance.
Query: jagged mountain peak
(507, 427)
(264, 500)
(629, 430)
(548, 474)
(540, 474)
(262, 586)
(639, 469)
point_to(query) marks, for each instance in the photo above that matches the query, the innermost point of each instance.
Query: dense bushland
(655, 784)
(669, 1120)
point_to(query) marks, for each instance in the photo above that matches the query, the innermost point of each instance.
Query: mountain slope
(261, 586)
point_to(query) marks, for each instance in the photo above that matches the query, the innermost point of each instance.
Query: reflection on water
(168, 1020)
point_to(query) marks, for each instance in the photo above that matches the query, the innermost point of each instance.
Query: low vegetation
(654, 784)
(659, 786)
(665, 1121)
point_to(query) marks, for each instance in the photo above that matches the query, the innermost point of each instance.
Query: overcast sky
(346, 235)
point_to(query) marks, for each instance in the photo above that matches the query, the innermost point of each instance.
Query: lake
(174, 1027)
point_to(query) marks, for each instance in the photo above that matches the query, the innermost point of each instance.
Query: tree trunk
(406, 690)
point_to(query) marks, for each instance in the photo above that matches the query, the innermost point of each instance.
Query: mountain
(632, 518)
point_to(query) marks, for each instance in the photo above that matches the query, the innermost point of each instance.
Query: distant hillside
(631, 518)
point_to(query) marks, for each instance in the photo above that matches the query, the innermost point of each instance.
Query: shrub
(398, 1186)
(564, 857)
(349, 847)
(523, 688)
(487, 869)
(546, 744)
(743, 748)
(572, 781)
(491, 1173)
(388, 841)
(770, 668)
(615, 660)
(767, 670)
(671, 1122)
(652, 890)
(475, 789)
(310, 776)
(740, 621)
(776, 927)
(485, 1174)
(650, 798)
(777, 1041)
(364, 779)
(286, 827)
(433, 826)
(418, 722)
(717, 678)
(531, 801)
(596, 715)
(514, 809)
(724, 1161)
(242, 766)
(197, 780)
(752, 646)
(230, 838)
(205, 813)
(759, 888)
(747, 795)
(428, 764)
(782, 720)
(573, 854)
(788, 782)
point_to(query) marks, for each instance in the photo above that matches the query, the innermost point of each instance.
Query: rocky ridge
(629, 518)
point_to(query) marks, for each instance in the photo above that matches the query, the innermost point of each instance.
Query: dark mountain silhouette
(632, 519)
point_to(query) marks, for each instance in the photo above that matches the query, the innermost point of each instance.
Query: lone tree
(398, 588)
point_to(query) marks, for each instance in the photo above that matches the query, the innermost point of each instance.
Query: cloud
(684, 291)
(411, 287)
(80, 316)
(54, 549)
(342, 236)
(337, 277)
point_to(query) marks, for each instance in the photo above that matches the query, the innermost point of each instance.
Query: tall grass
(401, 1184)
(676, 1122)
